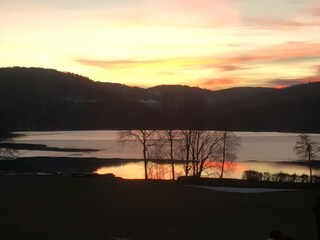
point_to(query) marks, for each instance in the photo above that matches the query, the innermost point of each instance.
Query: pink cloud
(280, 24)
(281, 83)
(291, 50)
(226, 68)
(282, 52)
(218, 83)
(313, 11)
(229, 68)
(189, 13)
(203, 13)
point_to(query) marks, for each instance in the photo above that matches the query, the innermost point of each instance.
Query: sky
(211, 44)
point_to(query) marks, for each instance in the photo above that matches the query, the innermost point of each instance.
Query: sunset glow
(207, 43)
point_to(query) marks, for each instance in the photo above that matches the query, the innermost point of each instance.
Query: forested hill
(46, 99)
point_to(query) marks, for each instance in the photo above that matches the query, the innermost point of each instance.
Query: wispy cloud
(217, 83)
(227, 68)
(279, 24)
(290, 51)
(116, 63)
(70, 4)
(317, 70)
(277, 54)
(313, 11)
(230, 68)
(281, 83)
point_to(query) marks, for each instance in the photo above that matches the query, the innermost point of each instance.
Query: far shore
(80, 165)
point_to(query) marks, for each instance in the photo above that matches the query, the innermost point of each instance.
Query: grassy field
(61, 208)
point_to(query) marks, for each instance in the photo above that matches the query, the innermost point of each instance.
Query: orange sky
(207, 43)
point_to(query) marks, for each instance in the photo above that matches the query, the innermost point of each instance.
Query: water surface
(260, 151)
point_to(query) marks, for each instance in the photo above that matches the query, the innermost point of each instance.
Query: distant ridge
(46, 99)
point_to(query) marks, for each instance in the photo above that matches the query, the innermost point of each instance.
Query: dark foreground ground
(56, 208)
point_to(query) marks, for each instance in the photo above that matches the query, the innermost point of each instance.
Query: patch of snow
(149, 102)
(243, 190)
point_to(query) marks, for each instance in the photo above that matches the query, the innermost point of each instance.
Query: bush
(293, 178)
(266, 176)
(282, 177)
(304, 178)
(316, 179)
(252, 175)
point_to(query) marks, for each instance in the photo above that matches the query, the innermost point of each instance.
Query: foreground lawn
(61, 208)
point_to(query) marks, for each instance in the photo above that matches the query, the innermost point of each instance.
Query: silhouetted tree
(228, 147)
(252, 175)
(157, 170)
(143, 137)
(184, 148)
(304, 178)
(165, 147)
(204, 150)
(307, 149)
(266, 176)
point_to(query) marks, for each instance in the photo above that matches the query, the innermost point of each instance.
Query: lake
(262, 151)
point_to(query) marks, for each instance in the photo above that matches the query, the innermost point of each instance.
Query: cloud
(217, 83)
(282, 53)
(70, 4)
(228, 67)
(313, 11)
(317, 69)
(290, 51)
(116, 63)
(279, 24)
(181, 13)
(281, 83)
(231, 68)
(197, 13)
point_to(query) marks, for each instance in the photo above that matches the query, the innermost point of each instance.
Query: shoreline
(79, 165)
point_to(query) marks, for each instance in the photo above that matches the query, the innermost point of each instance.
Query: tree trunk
(171, 155)
(145, 162)
(310, 166)
(187, 160)
(223, 155)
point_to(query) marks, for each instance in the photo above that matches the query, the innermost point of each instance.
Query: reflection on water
(163, 171)
(136, 170)
(128, 171)
(264, 147)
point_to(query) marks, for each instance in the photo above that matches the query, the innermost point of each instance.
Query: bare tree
(228, 147)
(167, 143)
(170, 137)
(143, 137)
(157, 170)
(204, 149)
(307, 149)
(183, 148)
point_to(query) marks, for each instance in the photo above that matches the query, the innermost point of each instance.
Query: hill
(46, 99)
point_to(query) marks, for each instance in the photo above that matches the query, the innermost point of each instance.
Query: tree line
(200, 151)
(252, 175)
